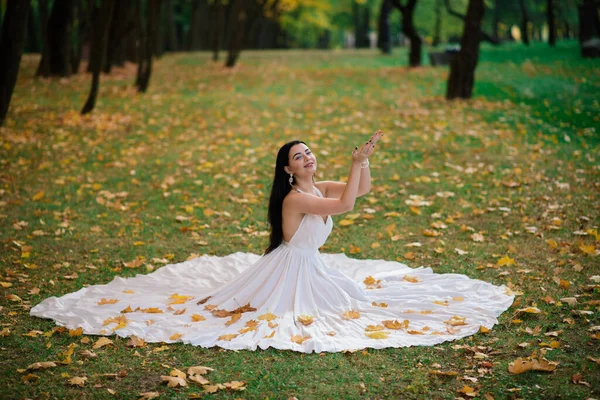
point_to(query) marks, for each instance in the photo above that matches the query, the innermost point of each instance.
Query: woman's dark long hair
(279, 189)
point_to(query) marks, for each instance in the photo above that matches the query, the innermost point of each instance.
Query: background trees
(65, 32)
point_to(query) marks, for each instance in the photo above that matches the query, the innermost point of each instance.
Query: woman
(292, 297)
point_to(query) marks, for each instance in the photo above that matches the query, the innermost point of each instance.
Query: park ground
(511, 179)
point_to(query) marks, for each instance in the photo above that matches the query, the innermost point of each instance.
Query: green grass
(206, 137)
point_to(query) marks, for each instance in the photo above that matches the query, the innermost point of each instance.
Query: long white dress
(292, 298)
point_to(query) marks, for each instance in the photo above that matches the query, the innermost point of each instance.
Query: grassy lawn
(185, 170)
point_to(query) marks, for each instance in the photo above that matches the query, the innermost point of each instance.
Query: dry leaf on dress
(227, 337)
(378, 335)
(374, 328)
(107, 301)
(234, 319)
(305, 319)
(456, 321)
(352, 314)
(396, 324)
(300, 339)
(267, 317)
(197, 318)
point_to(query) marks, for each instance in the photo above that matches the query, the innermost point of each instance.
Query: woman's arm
(333, 189)
(308, 204)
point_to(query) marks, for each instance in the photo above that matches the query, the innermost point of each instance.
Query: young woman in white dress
(292, 297)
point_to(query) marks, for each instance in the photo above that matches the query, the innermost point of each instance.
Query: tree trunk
(122, 28)
(217, 14)
(237, 27)
(551, 22)
(171, 35)
(589, 26)
(12, 41)
(462, 67)
(98, 50)
(524, 23)
(437, 28)
(408, 28)
(32, 43)
(384, 40)
(151, 33)
(59, 32)
(83, 12)
(44, 66)
(360, 15)
(140, 29)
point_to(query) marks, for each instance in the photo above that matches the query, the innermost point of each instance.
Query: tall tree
(12, 41)
(360, 16)
(462, 67)
(44, 66)
(384, 38)
(551, 22)
(217, 18)
(524, 23)
(122, 30)
(151, 33)
(237, 27)
(589, 24)
(408, 28)
(100, 32)
(59, 33)
(83, 16)
(484, 35)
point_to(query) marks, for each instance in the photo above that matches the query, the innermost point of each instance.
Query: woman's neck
(305, 186)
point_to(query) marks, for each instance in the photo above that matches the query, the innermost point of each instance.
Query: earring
(291, 180)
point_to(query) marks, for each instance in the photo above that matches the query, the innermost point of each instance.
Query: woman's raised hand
(362, 153)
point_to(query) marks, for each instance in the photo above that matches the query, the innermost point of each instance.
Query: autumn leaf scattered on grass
(532, 363)
(174, 381)
(505, 261)
(103, 341)
(41, 365)
(78, 381)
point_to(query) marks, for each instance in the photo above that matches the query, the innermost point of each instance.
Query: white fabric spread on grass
(293, 280)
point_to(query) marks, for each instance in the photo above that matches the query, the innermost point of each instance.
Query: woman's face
(301, 161)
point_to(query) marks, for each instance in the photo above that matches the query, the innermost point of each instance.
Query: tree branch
(485, 36)
(398, 5)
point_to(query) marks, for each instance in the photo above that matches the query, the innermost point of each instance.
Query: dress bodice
(312, 231)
